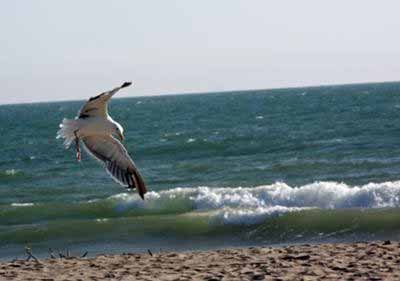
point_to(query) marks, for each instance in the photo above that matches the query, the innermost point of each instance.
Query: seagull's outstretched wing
(97, 106)
(116, 160)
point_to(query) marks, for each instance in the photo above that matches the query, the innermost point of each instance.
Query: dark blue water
(223, 169)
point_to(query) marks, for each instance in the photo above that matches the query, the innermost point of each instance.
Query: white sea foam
(22, 204)
(11, 172)
(248, 205)
(251, 215)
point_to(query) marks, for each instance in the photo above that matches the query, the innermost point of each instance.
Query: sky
(69, 50)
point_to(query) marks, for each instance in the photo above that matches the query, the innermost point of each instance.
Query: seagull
(101, 137)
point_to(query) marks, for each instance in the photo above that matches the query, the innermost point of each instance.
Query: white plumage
(96, 129)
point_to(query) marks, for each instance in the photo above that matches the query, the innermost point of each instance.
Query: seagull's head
(119, 131)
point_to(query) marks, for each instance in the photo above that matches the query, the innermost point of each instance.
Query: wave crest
(249, 205)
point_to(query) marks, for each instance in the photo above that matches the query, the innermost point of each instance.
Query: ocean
(231, 169)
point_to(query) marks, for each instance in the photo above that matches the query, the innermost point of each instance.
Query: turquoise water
(246, 168)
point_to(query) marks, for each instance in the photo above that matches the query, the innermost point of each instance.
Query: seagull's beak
(121, 136)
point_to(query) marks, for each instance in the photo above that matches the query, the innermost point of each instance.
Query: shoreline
(379, 260)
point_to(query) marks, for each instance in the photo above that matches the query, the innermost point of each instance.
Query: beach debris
(85, 254)
(61, 255)
(51, 254)
(28, 251)
(67, 254)
(150, 253)
(109, 275)
(296, 257)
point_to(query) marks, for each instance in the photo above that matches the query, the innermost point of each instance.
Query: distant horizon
(201, 92)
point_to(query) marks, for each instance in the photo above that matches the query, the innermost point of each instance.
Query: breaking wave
(250, 205)
(240, 205)
(277, 213)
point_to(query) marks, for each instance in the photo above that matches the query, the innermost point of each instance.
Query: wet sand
(356, 261)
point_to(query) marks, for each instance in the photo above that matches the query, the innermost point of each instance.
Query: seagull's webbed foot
(77, 147)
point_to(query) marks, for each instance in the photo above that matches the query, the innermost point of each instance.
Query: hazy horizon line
(211, 92)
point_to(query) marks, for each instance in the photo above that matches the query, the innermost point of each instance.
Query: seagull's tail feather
(67, 131)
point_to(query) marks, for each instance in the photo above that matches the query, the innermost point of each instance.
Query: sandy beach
(356, 261)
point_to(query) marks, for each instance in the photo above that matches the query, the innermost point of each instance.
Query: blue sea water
(265, 167)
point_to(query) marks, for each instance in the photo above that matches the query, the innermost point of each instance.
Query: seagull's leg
(78, 149)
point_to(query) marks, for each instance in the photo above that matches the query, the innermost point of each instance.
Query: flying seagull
(96, 129)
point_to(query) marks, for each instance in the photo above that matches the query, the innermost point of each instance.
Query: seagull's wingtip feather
(141, 195)
(126, 84)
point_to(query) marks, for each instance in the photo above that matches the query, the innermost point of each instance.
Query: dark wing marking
(95, 107)
(96, 97)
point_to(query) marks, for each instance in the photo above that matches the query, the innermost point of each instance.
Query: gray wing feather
(116, 160)
(97, 106)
